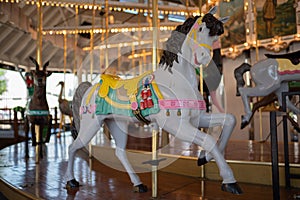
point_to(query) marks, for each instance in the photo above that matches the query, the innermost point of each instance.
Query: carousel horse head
(39, 76)
(193, 40)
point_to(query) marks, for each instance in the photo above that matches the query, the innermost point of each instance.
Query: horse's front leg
(119, 131)
(40, 140)
(226, 121)
(26, 130)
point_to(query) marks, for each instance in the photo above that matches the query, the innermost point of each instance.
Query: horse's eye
(200, 29)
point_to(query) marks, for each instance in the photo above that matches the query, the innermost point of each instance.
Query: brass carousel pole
(92, 60)
(65, 57)
(75, 40)
(39, 60)
(201, 91)
(154, 63)
(39, 33)
(92, 44)
(106, 33)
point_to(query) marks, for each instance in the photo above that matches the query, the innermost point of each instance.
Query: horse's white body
(267, 80)
(180, 84)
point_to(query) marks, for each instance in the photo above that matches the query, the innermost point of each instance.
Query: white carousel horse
(270, 75)
(177, 105)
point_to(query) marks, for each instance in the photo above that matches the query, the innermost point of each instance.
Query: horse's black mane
(174, 43)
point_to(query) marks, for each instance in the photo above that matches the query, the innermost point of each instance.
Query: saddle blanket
(141, 92)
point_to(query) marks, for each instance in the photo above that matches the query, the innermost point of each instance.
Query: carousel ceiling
(67, 26)
(71, 28)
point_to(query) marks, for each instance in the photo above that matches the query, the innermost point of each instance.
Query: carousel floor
(45, 180)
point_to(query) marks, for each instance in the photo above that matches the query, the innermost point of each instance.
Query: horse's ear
(37, 67)
(213, 10)
(224, 19)
(45, 65)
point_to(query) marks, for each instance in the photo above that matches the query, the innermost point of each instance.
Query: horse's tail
(76, 103)
(238, 74)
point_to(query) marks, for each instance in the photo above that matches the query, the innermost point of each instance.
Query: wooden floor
(45, 180)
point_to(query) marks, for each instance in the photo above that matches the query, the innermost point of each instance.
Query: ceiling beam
(50, 53)
(26, 37)
(5, 31)
(10, 41)
(29, 50)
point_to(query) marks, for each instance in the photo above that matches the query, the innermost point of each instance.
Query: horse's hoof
(233, 188)
(201, 161)
(244, 122)
(141, 188)
(72, 184)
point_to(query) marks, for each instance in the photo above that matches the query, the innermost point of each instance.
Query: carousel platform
(179, 177)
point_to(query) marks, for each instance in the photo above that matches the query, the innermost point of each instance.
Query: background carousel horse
(270, 75)
(37, 110)
(172, 93)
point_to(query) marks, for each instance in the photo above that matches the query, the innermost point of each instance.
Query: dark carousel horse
(37, 110)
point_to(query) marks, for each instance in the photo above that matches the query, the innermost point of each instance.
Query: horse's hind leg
(88, 129)
(119, 131)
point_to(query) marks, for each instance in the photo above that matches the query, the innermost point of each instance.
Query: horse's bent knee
(230, 119)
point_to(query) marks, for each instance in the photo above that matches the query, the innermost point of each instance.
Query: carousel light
(275, 40)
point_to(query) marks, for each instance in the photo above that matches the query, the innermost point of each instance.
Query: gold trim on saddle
(285, 65)
(115, 82)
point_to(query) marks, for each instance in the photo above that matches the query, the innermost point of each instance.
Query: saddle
(294, 57)
(124, 87)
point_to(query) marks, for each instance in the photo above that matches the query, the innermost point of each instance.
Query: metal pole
(154, 62)
(92, 44)
(274, 156)
(154, 166)
(106, 33)
(286, 143)
(155, 33)
(75, 39)
(65, 58)
(39, 33)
